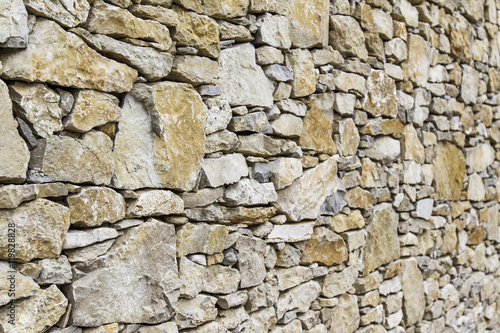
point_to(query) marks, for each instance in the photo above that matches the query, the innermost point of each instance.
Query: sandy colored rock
(287, 125)
(347, 37)
(381, 99)
(66, 13)
(385, 149)
(308, 22)
(359, 198)
(349, 137)
(221, 279)
(228, 215)
(274, 30)
(412, 147)
(413, 292)
(155, 203)
(338, 283)
(251, 261)
(201, 238)
(101, 295)
(480, 157)
(166, 159)
(346, 315)
(285, 171)
(92, 109)
(156, 13)
(72, 63)
(470, 84)
(343, 222)
(303, 199)
(13, 24)
(243, 82)
(194, 70)
(37, 313)
(305, 76)
(449, 172)
(325, 247)
(291, 233)
(317, 127)
(114, 21)
(11, 196)
(218, 9)
(78, 160)
(382, 243)
(38, 105)
(82, 238)
(95, 205)
(24, 286)
(15, 153)
(299, 298)
(198, 31)
(418, 62)
(249, 192)
(41, 226)
(460, 34)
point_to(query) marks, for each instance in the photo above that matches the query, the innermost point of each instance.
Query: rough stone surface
(346, 36)
(318, 125)
(249, 192)
(66, 13)
(449, 171)
(413, 292)
(302, 64)
(14, 24)
(381, 99)
(154, 203)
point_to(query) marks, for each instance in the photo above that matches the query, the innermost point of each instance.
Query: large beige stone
(243, 82)
(92, 109)
(308, 22)
(349, 137)
(470, 85)
(251, 260)
(35, 314)
(338, 283)
(13, 24)
(155, 203)
(103, 294)
(168, 160)
(61, 58)
(198, 31)
(298, 298)
(381, 99)
(303, 199)
(230, 215)
(274, 30)
(195, 70)
(412, 147)
(412, 284)
(15, 285)
(217, 8)
(196, 311)
(305, 76)
(346, 314)
(38, 105)
(347, 37)
(40, 228)
(317, 129)
(66, 13)
(95, 205)
(15, 153)
(480, 157)
(117, 22)
(382, 243)
(343, 222)
(449, 172)
(460, 37)
(325, 247)
(285, 171)
(201, 238)
(86, 160)
(419, 61)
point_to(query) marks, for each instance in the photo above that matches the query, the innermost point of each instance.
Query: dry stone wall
(249, 166)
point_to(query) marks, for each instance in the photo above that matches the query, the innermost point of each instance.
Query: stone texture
(325, 247)
(412, 148)
(196, 311)
(303, 199)
(346, 36)
(198, 31)
(295, 232)
(382, 244)
(339, 283)
(95, 205)
(15, 154)
(218, 9)
(99, 296)
(81, 238)
(274, 30)
(194, 70)
(413, 292)
(201, 238)
(308, 23)
(221, 279)
(449, 172)
(381, 99)
(86, 160)
(244, 82)
(227, 169)
(249, 192)
(55, 271)
(251, 261)
(288, 126)
(418, 62)
(317, 128)
(71, 62)
(305, 76)
(14, 24)
(92, 109)
(285, 171)
(12, 196)
(37, 313)
(37, 105)
(66, 13)
(24, 286)
(480, 157)
(349, 137)
(385, 149)
(169, 162)
(299, 298)
(40, 229)
(346, 315)
(154, 203)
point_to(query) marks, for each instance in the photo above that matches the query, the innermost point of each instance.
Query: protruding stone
(13, 24)
(418, 59)
(338, 283)
(480, 157)
(101, 295)
(249, 192)
(347, 37)
(46, 60)
(15, 153)
(413, 291)
(243, 82)
(346, 314)
(195, 70)
(349, 137)
(291, 233)
(227, 169)
(196, 311)
(299, 298)
(305, 76)
(381, 99)
(41, 227)
(95, 205)
(201, 238)
(55, 271)
(317, 128)
(24, 286)
(67, 14)
(218, 9)
(251, 261)
(382, 243)
(284, 171)
(288, 126)
(81, 238)
(412, 147)
(325, 247)
(274, 30)
(303, 199)
(92, 109)
(385, 149)
(449, 172)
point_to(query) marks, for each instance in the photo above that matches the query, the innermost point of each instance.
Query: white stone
(13, 24)
(249, 192)
(291, 232)
(227, 169)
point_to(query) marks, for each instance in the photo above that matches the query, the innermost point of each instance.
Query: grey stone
(279, 73)
(13, 24)
(54, 271)
(227, 169)
(251, 261)
(249, 192)
(81, 238)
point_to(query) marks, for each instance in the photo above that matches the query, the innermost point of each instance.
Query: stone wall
(249, 166)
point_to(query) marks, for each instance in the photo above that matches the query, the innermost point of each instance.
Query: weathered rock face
(325, 247)
(251, 261)
(381, 99)
(154, 203)
(14, 24)
(37, 313)
(99, 299)
(218, 9)
(418, 60)
(40, 227)
(346, 36)
(168, 161)
(449, 172)
(203, 238)
(382, 244)
(302, 64)
(303, 199)
(71, 62)
(413, 292)
(24, 286)
(244, 82)
(15, 154)
(308, 23)
(66, 13)
(317, 129)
